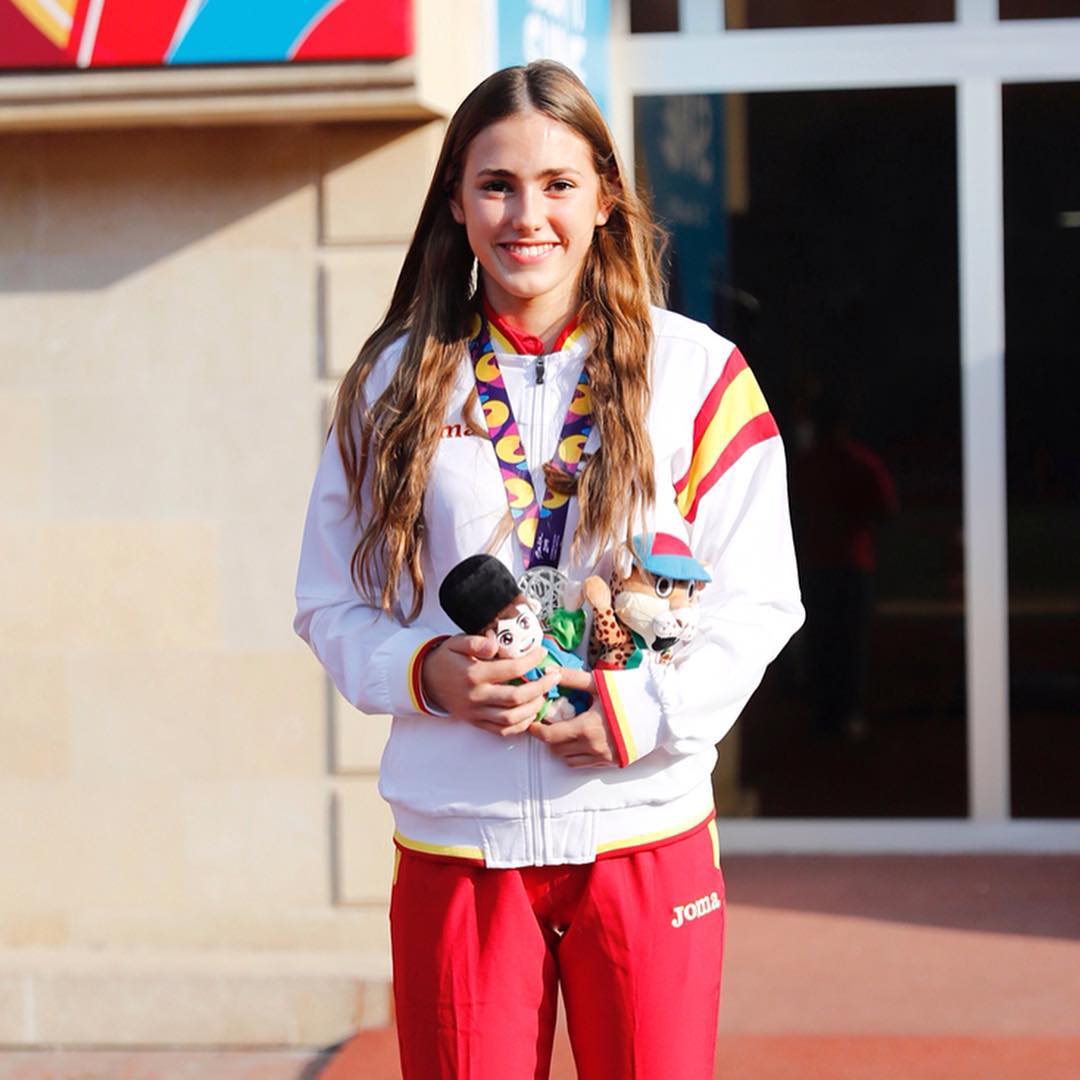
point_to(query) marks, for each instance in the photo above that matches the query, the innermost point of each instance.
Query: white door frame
(976, 54)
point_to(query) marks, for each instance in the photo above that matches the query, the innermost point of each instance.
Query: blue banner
(680, 150)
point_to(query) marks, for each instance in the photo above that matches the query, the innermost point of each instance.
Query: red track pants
(635, 940)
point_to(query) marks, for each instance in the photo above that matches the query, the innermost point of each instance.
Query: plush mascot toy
(650, 606)
(482, 597)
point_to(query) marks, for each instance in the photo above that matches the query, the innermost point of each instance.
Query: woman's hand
(461, 677)
(584, 740)
(580, 742)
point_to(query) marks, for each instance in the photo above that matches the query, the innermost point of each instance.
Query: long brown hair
(396, 438)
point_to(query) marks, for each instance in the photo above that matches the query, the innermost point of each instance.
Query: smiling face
(516, 629)
(661, 610)
(529, 199)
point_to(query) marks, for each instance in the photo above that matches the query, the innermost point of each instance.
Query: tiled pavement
(838, 968)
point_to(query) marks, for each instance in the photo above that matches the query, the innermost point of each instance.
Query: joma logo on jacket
(456, 431)
(689, 912)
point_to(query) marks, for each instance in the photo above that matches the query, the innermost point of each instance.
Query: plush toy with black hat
(482, 597)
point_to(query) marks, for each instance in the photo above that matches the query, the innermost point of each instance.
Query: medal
(545, 585)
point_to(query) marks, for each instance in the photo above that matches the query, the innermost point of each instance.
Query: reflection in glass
(768, 14)
(1042, 319)
(818, 230)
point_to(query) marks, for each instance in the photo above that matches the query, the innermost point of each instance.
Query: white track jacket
(460, 792)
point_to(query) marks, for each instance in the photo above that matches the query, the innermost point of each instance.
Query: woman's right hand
(461, 677)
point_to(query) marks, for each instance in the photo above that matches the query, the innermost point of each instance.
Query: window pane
(654, 16)
(818, 231)
(1039, 9)
(1042, 284)
(772, 14)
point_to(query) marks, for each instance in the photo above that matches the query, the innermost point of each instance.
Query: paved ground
(870, 968)
(785, 1057)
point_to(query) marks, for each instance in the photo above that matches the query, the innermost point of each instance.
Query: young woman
(584, 853)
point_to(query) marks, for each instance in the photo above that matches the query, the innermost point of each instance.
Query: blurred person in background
(841, 490)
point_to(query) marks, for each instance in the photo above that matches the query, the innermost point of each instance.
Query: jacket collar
(510, 340)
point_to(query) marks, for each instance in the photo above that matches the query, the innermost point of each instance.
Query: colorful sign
(154, 33)
(575, 32)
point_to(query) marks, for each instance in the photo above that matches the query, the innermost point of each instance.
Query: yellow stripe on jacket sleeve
(615, 713)
(742, 402)
(414, 674)
(413, 677)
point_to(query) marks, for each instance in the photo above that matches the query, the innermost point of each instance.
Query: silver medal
(545, 585)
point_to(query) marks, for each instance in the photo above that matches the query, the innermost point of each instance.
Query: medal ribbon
(539, 526)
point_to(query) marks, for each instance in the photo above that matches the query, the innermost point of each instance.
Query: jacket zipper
(535, 796)
(536, 788)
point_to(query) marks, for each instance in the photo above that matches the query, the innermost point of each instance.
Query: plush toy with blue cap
(651, 608)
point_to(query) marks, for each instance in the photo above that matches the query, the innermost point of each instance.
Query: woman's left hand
(584, 740)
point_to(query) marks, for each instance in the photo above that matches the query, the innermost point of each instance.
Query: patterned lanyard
(539, 526)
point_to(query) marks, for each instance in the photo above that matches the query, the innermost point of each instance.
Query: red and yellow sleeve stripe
(733, 418)
(415, 673)
(615, 715)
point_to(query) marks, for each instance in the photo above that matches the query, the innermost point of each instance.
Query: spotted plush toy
(651, 607)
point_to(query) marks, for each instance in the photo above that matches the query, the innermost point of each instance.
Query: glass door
(859, 207)
(818, 230)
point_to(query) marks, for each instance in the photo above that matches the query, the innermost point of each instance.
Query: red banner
(138, 33)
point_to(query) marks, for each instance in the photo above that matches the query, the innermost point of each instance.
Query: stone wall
(180, 791)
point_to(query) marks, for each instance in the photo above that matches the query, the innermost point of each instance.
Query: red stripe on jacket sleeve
(603, 692)
(416, 672)
(750, 434)
(734, 364)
